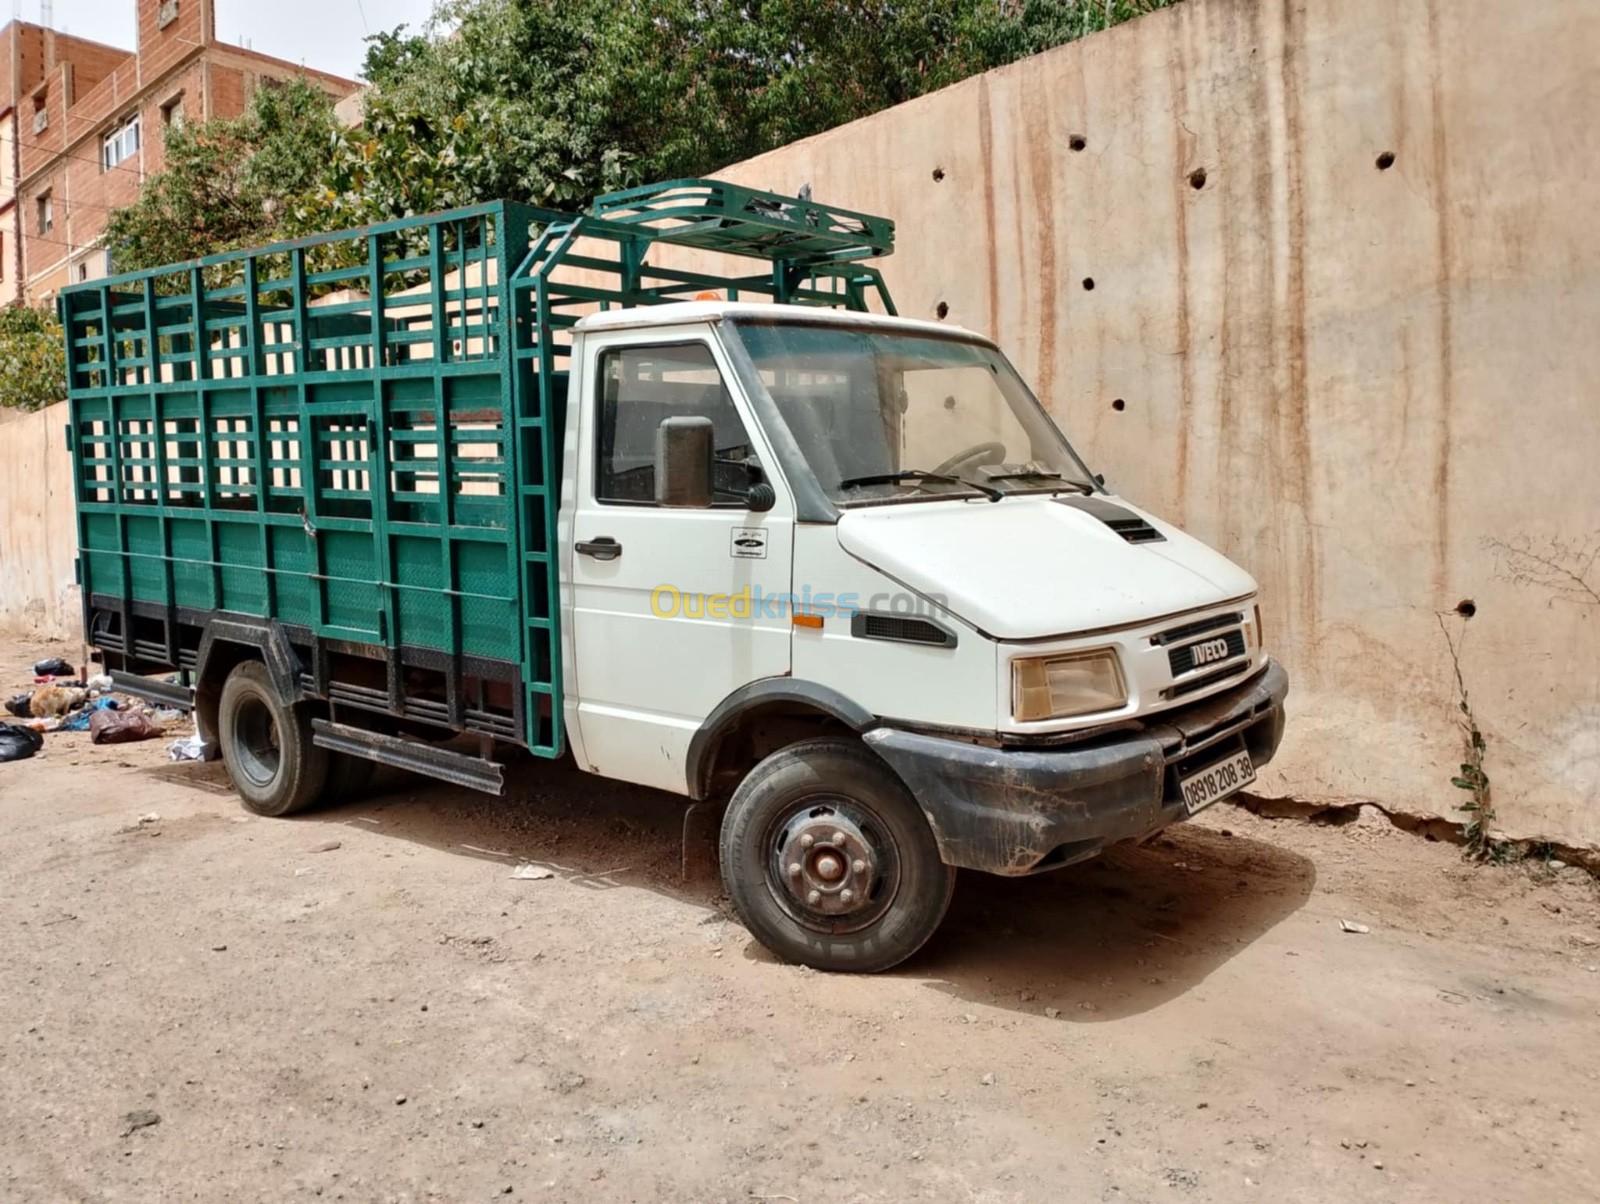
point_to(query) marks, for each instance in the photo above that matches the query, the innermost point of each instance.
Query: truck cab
(845, 569)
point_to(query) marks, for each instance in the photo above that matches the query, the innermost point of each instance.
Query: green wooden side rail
(358, 435)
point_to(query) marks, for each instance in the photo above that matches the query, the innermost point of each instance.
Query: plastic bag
(18, 743)
(121, 727)
(191, 748)
(78, 721)
(53, 667)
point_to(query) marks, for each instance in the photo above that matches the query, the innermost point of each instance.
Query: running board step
(459, 769)
(164, 693)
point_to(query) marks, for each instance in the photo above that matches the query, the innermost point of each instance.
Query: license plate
(1216, 781)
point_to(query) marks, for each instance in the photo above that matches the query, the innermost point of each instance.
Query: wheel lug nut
(838, 839)
(846, 896)
(814, 897)
(807, 841)
(859, 866)
(794, 869)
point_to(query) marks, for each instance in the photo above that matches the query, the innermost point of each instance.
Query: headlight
(1073, 683)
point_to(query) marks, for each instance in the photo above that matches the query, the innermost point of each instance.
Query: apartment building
(29, 53)
(86, 124)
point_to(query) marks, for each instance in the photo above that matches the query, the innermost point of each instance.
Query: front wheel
(830, 862)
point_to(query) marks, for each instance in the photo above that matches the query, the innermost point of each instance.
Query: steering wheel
(977, 454)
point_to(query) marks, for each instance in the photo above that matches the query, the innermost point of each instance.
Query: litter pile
(59, 701)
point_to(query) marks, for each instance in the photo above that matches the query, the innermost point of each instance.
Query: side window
(641, 386)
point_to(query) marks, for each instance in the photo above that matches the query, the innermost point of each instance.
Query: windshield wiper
(1046, 475)
(917, 474)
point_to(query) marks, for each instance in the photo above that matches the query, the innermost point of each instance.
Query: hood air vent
(1123, 521)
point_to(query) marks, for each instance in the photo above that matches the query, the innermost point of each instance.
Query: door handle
(601, 547)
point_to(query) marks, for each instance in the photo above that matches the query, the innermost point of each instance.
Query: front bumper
(1017, 811)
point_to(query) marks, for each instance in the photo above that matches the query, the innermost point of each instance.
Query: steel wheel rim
(825, 884)
(257, 751)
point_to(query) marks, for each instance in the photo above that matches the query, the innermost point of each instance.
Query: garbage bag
(18, 743)
(121, 727)
(53, 667)
(18, 704)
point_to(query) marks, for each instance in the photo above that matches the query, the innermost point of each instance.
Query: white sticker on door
(749, 543)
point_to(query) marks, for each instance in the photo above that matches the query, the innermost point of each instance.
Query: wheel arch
(227, 643)
(762, 716)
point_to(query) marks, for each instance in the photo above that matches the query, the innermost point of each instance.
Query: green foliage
(228, 183)
(33, 363)
(554, 101)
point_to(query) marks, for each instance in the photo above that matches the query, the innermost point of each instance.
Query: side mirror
(683, 462)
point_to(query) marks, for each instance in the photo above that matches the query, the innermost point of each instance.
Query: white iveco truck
(492, 474)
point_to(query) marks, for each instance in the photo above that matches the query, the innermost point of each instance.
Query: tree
(33, 362)
(228, 183)
(554, 101)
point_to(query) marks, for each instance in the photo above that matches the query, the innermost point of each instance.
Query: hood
(1029, 567)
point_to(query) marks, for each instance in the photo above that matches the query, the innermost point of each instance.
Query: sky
(326, 34)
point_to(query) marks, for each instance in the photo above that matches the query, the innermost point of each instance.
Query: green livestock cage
(354, 440)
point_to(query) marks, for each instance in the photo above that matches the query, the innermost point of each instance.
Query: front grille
(1174, 635)
(1182, 659)
(1207, 679)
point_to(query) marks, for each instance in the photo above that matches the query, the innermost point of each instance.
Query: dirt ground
(363, 1004)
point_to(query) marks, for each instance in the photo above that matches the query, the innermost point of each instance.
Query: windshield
(864, 406)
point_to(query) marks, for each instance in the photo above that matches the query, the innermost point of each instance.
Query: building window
(81, 272)
(172, 112)
(166, 14)
(46, 213)
(41, 116)
(120, 144)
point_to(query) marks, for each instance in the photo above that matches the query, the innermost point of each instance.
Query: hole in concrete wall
(1088, 284)
(941, 310)
(1466, 608)
(1077, 142)
(1386, 161)
(1197, 178)
(938, 174)
(1119, 405)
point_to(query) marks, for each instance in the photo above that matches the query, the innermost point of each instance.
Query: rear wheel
(266, 745)
(830, 862)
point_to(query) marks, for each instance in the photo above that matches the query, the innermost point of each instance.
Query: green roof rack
(718, 216)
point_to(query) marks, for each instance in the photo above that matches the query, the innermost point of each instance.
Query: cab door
(671, 609)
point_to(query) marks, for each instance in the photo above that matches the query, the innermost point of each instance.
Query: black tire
(890, 891)
(266, 745)
(348, 778)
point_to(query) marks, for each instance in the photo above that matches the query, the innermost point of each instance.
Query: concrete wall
(1377, 389)
(38, 536)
